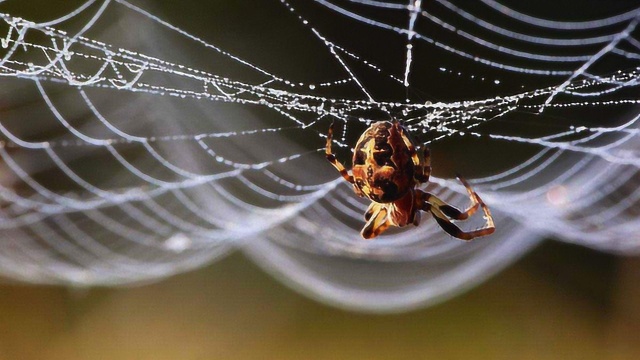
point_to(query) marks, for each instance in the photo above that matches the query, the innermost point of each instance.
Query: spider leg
(450, 210)
(332, 158)
(454, 212)
(454, 230)
(378, 222)
(373, 208)
(443, 213)
(423, 167)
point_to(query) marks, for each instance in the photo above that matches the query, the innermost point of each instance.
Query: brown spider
(387, 170)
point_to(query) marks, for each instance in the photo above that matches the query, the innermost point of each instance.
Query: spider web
(134, 149)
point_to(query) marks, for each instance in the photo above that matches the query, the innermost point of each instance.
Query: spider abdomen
(382, 166)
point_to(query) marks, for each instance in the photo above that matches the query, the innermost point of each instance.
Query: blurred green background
(559, 302)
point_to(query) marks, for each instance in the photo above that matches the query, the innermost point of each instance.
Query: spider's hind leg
(453, 212)
(443, 213)
(455, 231)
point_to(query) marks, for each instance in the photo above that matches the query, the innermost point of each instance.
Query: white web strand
(132, 164)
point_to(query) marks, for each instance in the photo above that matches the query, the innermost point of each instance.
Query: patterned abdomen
(382, 165)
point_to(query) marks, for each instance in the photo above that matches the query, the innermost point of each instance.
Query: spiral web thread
(189, 197)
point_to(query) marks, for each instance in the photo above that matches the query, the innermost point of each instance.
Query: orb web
(134, 148)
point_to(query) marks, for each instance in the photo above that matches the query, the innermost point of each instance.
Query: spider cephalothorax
(387, 170)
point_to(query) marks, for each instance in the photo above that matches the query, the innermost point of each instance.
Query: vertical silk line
(414, 11)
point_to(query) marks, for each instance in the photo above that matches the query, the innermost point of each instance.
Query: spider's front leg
(377, 221)
(424, 167)
(332, 158)
(372, 209)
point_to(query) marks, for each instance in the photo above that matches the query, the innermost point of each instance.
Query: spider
(387, 170)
